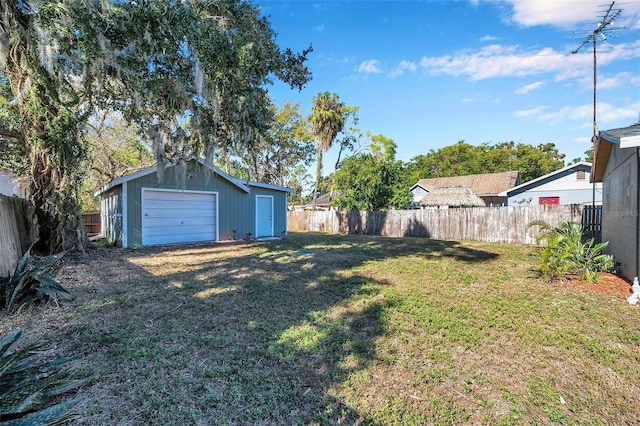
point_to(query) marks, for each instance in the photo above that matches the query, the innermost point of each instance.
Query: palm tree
(328, 116)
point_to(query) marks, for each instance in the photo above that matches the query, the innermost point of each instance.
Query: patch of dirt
(608, 284)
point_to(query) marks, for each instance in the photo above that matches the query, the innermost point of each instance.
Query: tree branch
(10, 133)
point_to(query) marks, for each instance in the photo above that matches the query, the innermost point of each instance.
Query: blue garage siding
(234, 210)
(279, 209)
(111, 215)
(235, 200)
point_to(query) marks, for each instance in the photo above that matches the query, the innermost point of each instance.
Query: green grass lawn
(339, 329)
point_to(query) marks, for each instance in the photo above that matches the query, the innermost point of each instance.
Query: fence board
(92, 224)
(17, 231)
(491, 224)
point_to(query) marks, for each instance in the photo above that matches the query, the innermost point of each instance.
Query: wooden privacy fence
(17, 231)
(92, 225)
(491, 224)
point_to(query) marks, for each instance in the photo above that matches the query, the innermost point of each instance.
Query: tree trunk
(318, 177)
(58, 211)
(48, 131)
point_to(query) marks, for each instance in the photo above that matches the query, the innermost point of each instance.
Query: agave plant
(566, 252)
(30, 282)
(28, 384)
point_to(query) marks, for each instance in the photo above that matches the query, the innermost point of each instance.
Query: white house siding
(418, 193)
(567, 196)
(568, 188)
(8, 185)
(620, 210)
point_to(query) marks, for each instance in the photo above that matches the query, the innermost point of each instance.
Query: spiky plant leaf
(27, 384)
(32, 282)
(9, 342)
(50, 416)
(567, 252)
(24, 262)
(67, 387)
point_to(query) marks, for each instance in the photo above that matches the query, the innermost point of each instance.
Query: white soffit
(630, 141)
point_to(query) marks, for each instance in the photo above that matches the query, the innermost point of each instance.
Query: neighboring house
(9, 185)
(455, 196)
(487, 186)
(616, 165)
(323, 202)
(201, 204)
(569, 185)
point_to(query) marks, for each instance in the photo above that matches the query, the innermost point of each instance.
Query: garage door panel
(178, 216)
(176, 195)
(193, 231)
(166, 222)
(176, 213)
(173, 239)
(179, 204)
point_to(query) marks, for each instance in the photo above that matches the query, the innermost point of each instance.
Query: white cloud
(568, 14)
(619, 80)
(607, 115)
(489, 38)
(532, 112)
(372, 66)
(402, 67)
(563, 14)
(529, 87)
(495, 61)
(511, 61)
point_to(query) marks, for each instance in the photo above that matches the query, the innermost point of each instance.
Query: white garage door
(177, 217)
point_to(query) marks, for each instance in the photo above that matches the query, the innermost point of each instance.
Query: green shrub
(31, 282)
(28, 384)
(567, 252)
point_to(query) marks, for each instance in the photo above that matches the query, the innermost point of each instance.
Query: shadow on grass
(235, 333)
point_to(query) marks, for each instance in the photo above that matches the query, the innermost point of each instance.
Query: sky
(428, 74)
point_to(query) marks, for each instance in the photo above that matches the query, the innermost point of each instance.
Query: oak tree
(160, 63)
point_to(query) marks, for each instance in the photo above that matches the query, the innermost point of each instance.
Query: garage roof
(241, 184)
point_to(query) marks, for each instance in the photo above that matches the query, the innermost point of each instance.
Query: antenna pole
(600, 30)
(594, 141)
(595, 70)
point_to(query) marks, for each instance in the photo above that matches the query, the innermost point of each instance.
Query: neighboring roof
(626, 137)
(480, 184)
(239, 183)
(546, 178)
(455, 196)
(323, 200)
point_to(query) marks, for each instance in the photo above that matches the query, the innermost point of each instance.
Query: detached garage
(193, 203)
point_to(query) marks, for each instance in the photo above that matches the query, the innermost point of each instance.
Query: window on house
(581, 175)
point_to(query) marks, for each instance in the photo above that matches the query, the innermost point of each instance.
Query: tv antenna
(602, 30)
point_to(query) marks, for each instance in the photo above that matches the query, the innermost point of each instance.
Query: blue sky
(430, 73)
